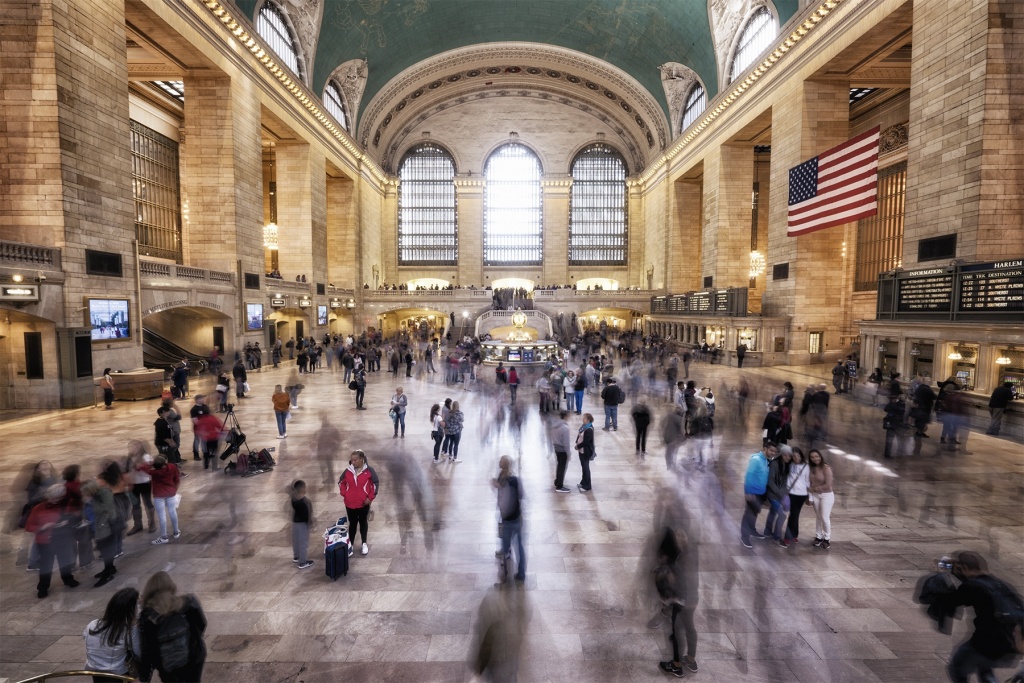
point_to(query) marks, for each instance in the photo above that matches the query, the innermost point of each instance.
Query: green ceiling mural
(634, 35)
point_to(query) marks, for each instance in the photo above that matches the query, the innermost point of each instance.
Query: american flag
(836, 187)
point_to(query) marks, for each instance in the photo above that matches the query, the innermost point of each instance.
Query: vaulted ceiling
(603, 59)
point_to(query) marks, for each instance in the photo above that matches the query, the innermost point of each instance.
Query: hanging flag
(836, 187)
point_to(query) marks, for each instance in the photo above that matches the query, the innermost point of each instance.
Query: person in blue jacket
(755, 486)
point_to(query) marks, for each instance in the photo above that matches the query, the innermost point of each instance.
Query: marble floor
(413, 608)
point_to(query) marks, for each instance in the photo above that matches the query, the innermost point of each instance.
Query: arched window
(275, 32)
(695, 103)
(512, 207)
(597, 208)
(334, 104)
(755, 38)
(427, 227)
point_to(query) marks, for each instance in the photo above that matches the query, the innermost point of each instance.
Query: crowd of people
(72, 520)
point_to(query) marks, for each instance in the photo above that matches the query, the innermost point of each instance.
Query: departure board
(992, 287)
(925, 291)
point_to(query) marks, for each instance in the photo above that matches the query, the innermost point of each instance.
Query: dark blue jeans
(510, 530)
(967, 660)
(748, 525)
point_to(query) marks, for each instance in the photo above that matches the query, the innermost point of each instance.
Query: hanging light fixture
(914, 351)
(882, 347)
(757, 263)
(270, 236)
(1004, 357)
(955, 354)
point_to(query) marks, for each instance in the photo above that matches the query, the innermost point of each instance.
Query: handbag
(352, 385)
(176, 500)
(129, 657)
(245, 386)
(23, 520)
(392, 414)
(222, 388)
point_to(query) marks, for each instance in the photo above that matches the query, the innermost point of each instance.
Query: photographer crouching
(998, 616)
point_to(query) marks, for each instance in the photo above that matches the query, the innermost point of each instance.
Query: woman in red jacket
(48, 522)
(165, 486)
(356, 488)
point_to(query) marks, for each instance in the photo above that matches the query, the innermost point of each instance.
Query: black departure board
(700, 302)
(992, 287)
(928, 290)
(992, 291)
(719, 302)
(722, 301)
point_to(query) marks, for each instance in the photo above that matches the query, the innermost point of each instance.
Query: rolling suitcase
(336, 559)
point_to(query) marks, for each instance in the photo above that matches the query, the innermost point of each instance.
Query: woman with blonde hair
(171, 629)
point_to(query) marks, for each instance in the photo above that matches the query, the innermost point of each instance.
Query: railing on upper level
(162, 269)
(462, 294)
(30, 255)
(488, 320)
(570, 294)
(281, 285)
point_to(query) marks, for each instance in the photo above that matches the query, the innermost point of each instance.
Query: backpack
(1008, 609)
(622, 394)
(665, 583)
(173, 634)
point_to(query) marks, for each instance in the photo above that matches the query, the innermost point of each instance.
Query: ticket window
(923, 363)
(1015, 376)
(965, 370)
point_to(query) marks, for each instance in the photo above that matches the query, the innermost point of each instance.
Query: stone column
(685, 236)
(341, 232)
(555, 266)
(302, 211)
(470, 192)
(965, 165)
(223, 188)
(809, 121)
(728, 180)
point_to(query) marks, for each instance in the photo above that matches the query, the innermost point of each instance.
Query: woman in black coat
(165, 614)
(585, 447)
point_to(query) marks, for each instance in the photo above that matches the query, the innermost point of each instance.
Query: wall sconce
(17, 278)
(757, 263)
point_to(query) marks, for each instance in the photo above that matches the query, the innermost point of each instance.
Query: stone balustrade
(160, 269)
(17, 254)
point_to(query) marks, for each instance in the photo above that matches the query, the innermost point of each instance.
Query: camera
(230, 407)
(945, 564)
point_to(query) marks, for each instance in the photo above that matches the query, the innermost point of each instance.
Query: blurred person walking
(453, 425)
(166, 479)
(42, 478)
(282, 402)
(675, 580)
(47, 520)
(510, 511)
(641, 416)
(302, 515)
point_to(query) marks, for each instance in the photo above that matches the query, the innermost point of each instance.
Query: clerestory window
(597, 208)
(513, 222)
(427, 218)
(272, 25)
(756, 37)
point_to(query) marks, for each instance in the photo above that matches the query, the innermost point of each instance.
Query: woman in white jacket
(569, 388)
(797, 484)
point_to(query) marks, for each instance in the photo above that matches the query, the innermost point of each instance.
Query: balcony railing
(159, 269)
(43, 258)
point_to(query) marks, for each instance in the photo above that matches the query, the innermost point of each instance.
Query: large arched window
(512, 207)
(755, 38)
(427, 226)
(335, 104)
(597, 208)
(273, 28)
(695, 103)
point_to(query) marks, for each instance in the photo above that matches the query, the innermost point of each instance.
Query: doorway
(218, 340)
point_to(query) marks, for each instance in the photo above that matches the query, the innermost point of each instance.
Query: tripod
(235, 436)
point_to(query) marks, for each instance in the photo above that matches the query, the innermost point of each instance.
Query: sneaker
(31, 569)
(758, 536)
(294, 408)
(72, 584)
(119, 555)
(671, 669)
(351, 551)
(365, 550)
(134, 531)
(177, 534)
(281, 436)
(437, 460)
(746, 543)
(825, 544)
(817, 542)
(295, 560)
(182, 474)
(456, 461)
(159, 541)
(794, 540)
(306, 565)
(691, 665)
(562, 489)
(782, 544)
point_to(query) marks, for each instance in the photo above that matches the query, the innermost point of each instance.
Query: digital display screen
(515, 356)
(109, 319)
(254, 316)
(321, 315)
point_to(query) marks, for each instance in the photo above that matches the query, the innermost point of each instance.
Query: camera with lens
(945, 564)
(230, 407)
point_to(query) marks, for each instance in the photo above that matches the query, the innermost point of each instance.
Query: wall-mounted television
(515, 356)
(321, 315)
(109, 319)
(254, 316)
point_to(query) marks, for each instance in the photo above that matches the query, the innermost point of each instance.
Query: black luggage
(336, 560)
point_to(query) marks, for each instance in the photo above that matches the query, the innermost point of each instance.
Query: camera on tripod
(229, 407)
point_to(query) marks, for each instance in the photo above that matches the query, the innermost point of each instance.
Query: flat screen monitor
(515, 356)
(109, 319)
(321, 315)
(254, 316)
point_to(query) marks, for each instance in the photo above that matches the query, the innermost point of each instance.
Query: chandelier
(757, 263)
(270, 236)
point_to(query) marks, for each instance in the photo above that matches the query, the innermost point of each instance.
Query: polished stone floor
(413, 608)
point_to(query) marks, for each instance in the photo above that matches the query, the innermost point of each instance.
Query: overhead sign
(277, 303)
(976, 291)
(305, 303)
(19, 292)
